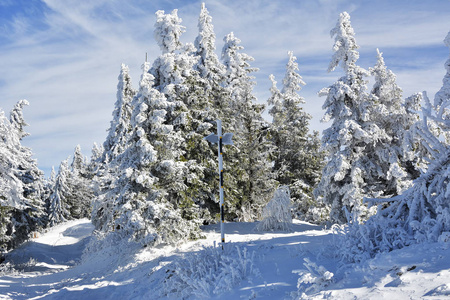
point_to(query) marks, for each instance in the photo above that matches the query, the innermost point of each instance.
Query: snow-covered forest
(377, 176)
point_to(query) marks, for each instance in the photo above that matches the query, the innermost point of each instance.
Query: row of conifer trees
(154, 179)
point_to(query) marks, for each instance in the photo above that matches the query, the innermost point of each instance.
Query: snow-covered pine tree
(49, 187)
(187, 113)
(11, 189)
(80, 183)
(248, 161)
(297, 158)
(104, 167)
(208, 65)
(96, 162)
(120, 127)
(138, 205)
(414, 150)
(342, 184)
(21, 185)
(59, 208)
(27, 170)
(204, 98)
(443, 95)
(422, 213)
(392, 170)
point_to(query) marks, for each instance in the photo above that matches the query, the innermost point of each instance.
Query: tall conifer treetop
(168, 30)
(209, 65)
(345, 47)
(444, 93)
(17, 120)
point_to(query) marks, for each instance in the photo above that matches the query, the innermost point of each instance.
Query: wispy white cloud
(64, 56)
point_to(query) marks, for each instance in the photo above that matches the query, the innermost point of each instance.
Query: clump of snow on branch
(277, 213)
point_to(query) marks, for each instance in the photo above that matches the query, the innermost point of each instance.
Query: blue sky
(64, 56)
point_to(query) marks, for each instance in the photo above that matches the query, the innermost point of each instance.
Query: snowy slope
(253, 265)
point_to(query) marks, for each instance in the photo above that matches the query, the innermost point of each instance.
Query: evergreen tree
(421, 213)
(104, 166)
(81, 189)
(392, 169)
(49, 187)
(208, 66)
(59, 208)
(21, 183)
(206, 101)
(342, 184)
(297, 159)
(96, 162)
(251, 183)
(27, 170)
(139, 204)
(120, 125)
(11, 189)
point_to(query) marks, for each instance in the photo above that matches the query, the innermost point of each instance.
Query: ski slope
(253, 265)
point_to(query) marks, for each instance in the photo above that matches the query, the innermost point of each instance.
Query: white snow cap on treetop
(168, 30)
(345, 44)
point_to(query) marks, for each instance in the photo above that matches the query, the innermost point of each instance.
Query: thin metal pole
(222, 213)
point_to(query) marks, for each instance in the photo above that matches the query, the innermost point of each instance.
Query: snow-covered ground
(253, 265)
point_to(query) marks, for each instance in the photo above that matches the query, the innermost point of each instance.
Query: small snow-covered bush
(209, 272)
(277, 213)
(7, 268)
(312, 280)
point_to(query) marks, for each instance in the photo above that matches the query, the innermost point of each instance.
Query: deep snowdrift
(252, 265)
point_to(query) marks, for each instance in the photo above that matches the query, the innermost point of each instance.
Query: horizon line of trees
(154, 179)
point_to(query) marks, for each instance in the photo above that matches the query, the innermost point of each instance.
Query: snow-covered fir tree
(96, 162)
(120, 128)
(249, 163)
(105, 160)
(389, 156)
(422, 213)
(26, 170)
(188, 112)
(22, 209)
(58, 210)
(208, 66)
(139, 204)
(11, 190)
(342, 184)
(73, 191)
(297, 158)
(49, 187)
(80, 184)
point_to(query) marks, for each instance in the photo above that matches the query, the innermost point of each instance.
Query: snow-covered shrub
(7, 268)
(209, 272)
(277, 213)
(312, 280)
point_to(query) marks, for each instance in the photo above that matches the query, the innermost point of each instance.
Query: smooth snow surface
(253, 265)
